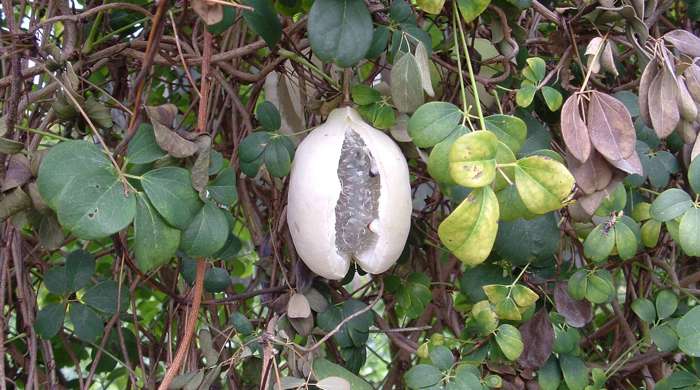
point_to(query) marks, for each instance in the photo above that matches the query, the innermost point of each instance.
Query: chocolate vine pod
(349, 197)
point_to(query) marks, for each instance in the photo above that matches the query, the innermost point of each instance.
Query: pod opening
(358, 204)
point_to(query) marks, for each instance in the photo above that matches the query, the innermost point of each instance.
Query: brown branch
(189, 327)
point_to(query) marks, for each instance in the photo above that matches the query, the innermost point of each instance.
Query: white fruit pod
(349, 197)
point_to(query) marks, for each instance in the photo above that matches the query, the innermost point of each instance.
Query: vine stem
(472, 79)
(201, 263)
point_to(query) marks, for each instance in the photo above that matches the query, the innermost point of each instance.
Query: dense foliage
(145, 154)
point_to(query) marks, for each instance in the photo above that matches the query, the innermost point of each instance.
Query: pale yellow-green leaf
(473, 159)
(543, 184)
(470, 231)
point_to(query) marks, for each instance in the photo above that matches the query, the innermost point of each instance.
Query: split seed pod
(349, 197)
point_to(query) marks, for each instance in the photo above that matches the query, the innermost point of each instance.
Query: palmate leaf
(473, 159)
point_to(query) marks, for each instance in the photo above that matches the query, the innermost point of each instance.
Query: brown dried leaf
(648, 75)
(200, 168)
(162, 118)
(610, 124)
(590, 203)
(686, 104)
(298, 306)
(688, 131)
(591, 176)
(631, 164)
(662, 94)
(303, 326)
(685, 41)
(13, 202)
(576, 313)
(538, 338)
(591, 51)
(692, 81)
(17, 172)
(574, 130)
(607, 61)
(210, 13)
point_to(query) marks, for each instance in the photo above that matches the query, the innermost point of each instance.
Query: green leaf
(414, 295)
(103, 297)
(664, 337)
(223, 188)
(422, 375)
(464, 380)
(471, 9)
(538, 237)
(433, 7)
(170, 191)
(80, 266)
(56, 281)
(241, 323)
(535, 70)
(508, 310)
(277, 158)
(670, 204)
(473, 159)
(442, 357)
(439, 160)
(87, 324)
(64, 163)
(549, 376)
(226, 22)
(644, 309)
(155, 242)
(470, 231)
(216, 279)
(574, 370)
(400, 11)
(324, 369)
(525, 94)
(666, 304)
(96, 206)
(380, 115)
(143, 148)
(578, 284)
(512, 208)
(49, 320)
(207, 233)
(496, 293)
(406, 84)
(689, 232)
(433, 122)
(600, 288)
(364, 94)
(625, 241)
(340, 31)
(268, 116)
(600, 242)
(651, 230)
(509, 340)
(543, 184)
(688, 329)
(509, 129)
(694, 175)
(263, 20)
(552, 98)
(253, 146)
(523, 296)
(380, 39)
(98, 113)
(485, 317)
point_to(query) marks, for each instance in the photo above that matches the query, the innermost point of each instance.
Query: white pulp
(358, 203)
